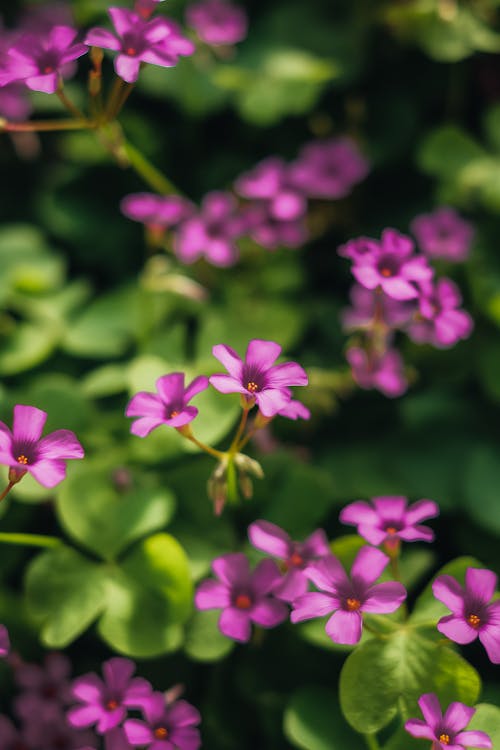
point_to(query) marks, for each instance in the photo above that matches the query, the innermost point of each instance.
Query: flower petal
(312, 605)
(88, 688)
(117, 673)
(28, 423)
(490, 638)
(457, 716)
(327, 574)
(269, 612)
(265, 577)
(142, 427)
(474, 739)
(196, 386)
(183, 714)
(358, 512)
(421, 510)
(45, 83)
(138, 733)
(289, 373)
(262, 354)
(124, 20)
(431, 710)
(345, 627)
(271, 401)
(227, 384)
(230, 359)
(212, 595)
(84, 716)
(368, 565)
(448, 590)
(418, 728)
(398, 288)
(390, 508)
(235, 624)
(316, 544)
(481, 583)
(49, 472)
(270, 538)
(384, 598)
(98, 37)
(145, 404)
(127, 67)
(60, 444)
(291, 586)
(457, 629)
(231, 568)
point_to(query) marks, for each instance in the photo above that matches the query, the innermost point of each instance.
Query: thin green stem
(30, 540)
(38, 126)
(68, 104)
(125, 93)
(114, 98)
(212, 451)
(7, 490)
(149, 173)
(371, 741)
(235, 446)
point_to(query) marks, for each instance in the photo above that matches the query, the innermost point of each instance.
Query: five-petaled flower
(217, 22)
(296, 556)
(348, 598)
(474, 615)
(388, 519)
(243, 596)
(384, 372)
(257, 378)
(446, 732)
(105, 702)
(24, 450)
(443, 234)
(168, 406)
(440, 322)
(167, 727)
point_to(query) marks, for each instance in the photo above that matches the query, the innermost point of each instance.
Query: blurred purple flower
(359, 248)
(168, 406)
(383, 372)
(167, 727)
(296, 556)
(116, 739)
(4, 642)
(52, 732)
(446, 732)
(295, 410)
(40, 19)
(45, 689)
(156, 211)
(24, 450)
(348, 598)
(440, 322)
(217, 22)
(257, 378)
(159, 42)
(474, 615)
(243, 596)
(443, 234)
(11, 738)
(392, 267)
(39, 59)
(387, 519)
(105, 703)
(328, 169)
(372, 307)
(212, 232)
(146, 8)
(14, 103)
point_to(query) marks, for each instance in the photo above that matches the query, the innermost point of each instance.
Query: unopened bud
(248, 465)
(96, 56)
(246, 486)
(15, 475)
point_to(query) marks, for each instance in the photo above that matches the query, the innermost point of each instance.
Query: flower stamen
(22, 459)
(296, 560)
(111, 705)
(252, 387)
(386, 272)
(131, 51)
(474, 620)
(391, 530)
(353, 604)
(161, 733)
(444, 739)
(243, 601)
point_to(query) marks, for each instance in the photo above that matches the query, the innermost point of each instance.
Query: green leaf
(107, 380)
(26, 346)
(427, 608)
(204, 641)
(383, 677)
(104, 520)
(446, 151)
(66, 592)
(482, 477)
(312, 721)
(487, 719)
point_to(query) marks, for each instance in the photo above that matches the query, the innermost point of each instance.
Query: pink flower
(168, 406)
(257, 378)
(295, 410)
(212, 232)
(243, 596)
(4, 642)
(53, 733)
(105, 703)
(446, 732)
(217, 21)
(329, 169)
(45, 688)
(387, 519)
(156, 211)
(474, 615)
(24, 450)
(383, 372)
(372, 307)
(158, 42)
(146, 8)
(296, 556)
(440, 322)
(167, 727)
(348, 598)
(39, 59)
(392, 267)
(11, 738)
(443, 234)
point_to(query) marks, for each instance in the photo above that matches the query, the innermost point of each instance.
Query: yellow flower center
(444, 739)
(252, 387)
(22, 459)
(391, 530)
(243, 601)
(161, 733)
(474, 620)
(353, 604)
(386, 272)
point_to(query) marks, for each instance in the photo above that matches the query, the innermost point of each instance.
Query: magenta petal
(448, 590)
(187, 738)
(398, 288)
(102, 38)
(418, 728)
(292, 585)
(390, 508)
(145, 404)
(270, 538)
(60, 444)
(289, 373)
(474, 739)
(482, 583)
(358, 512)
(457, 629)
(226, 384)
(84, 716)
(235, 624)
(110, 719)
(268, 613)
(198, 385)
(316, 544)
(28, 423)
(118, 672)
(171, 387)
(142, 427)
(384, 598)
(138, 733)
(232, 568)
(230, 359)
(61, 37)
(345, 627)
(127, 67)
(184, 417)
(431, 710)
(212, 595)
(421, 510)
(327, 574)
(271, 401)
(47, 84)
(265, 577)
(416, 534)
(262, 354)
(490, 638)
(366, 275)
(312, 605)
(49, 472)
(372, 534)
(457, 716)
(183, 714)
(369, 565)
(88, 688)
(124, 20)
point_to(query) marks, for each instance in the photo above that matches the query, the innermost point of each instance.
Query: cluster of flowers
(274, 207)
(41, 52)
(396, 291)
(49, 719)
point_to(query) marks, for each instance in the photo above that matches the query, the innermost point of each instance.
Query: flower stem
(149, 173)
(30, 540)
(114, 98)
(68, 104)
(235, 445)
(212, 451)
(371, 741)
(7, 490)
(37, 126)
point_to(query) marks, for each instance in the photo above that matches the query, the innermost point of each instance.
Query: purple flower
(348, 598)
(4, 642)
(168, 406)
(359, 248)
(446, 732)
(39, 59)
(383, 372)
(243, 596)
(256, 378)
(271, 232)
(440, 322)
(156, 211)
(443, 234)
(146, 8)
(14, 104)
(392, 267)
(371, 307)
(11, 738)
(45, 689)
(295, 410)
(388, 519)
(24, 450)
(474, 615)
(115, 740)
(212, 232)
(158, 42)
(105, 702)
(296, 556)
(42, 18)
(167, 727)
(53, 733)
(329, 169)
(217, 21)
